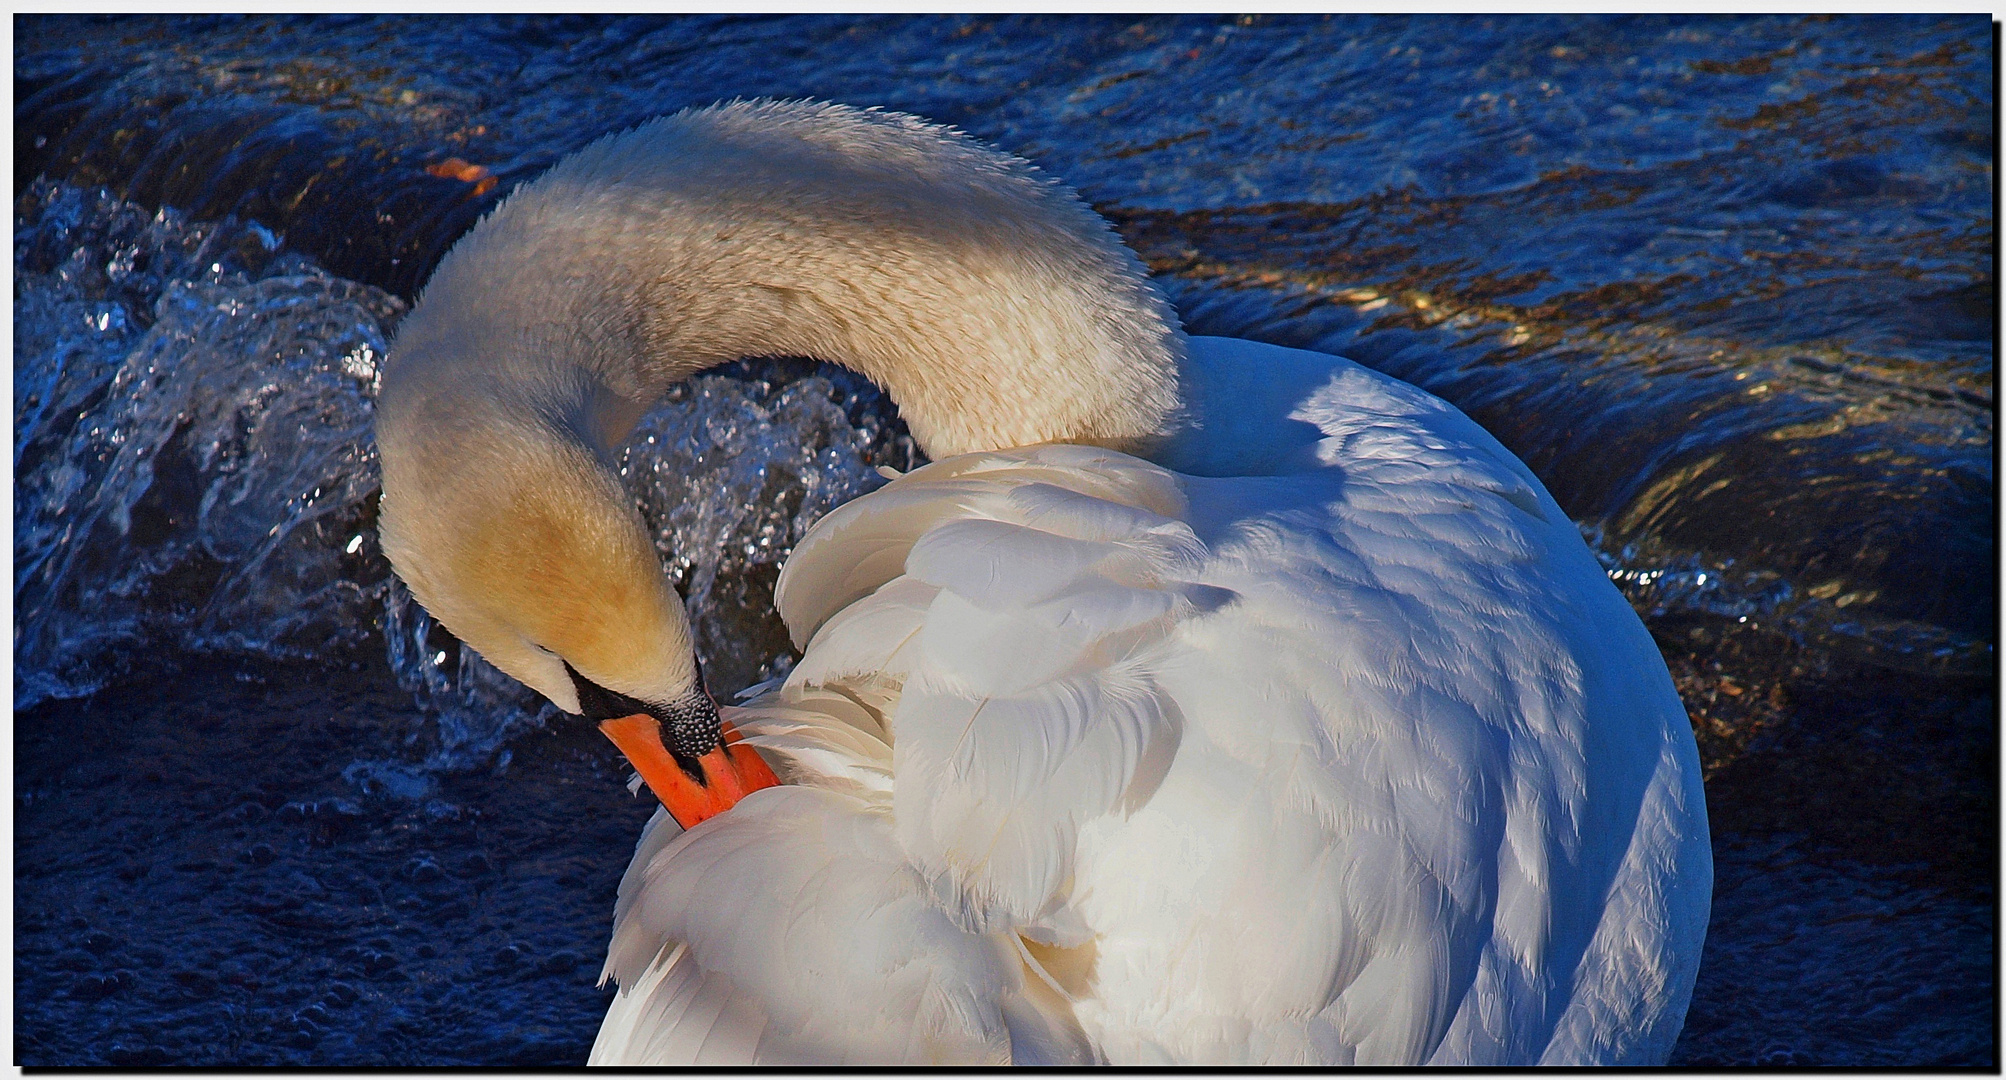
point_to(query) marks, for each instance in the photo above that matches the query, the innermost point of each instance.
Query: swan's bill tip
(697, 790)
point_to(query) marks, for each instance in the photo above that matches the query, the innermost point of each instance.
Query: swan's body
(1332, 745)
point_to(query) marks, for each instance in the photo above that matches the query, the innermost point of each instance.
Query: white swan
(1312, 734)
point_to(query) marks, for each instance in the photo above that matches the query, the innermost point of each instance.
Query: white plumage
(1318, 737)
(1359, 760)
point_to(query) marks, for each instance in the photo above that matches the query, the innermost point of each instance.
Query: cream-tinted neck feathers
(994, 307)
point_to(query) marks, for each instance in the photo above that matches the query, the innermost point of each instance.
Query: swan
(1203, 701)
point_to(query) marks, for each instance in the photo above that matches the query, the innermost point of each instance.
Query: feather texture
(830, 951)
(1364, 762)
(1318, 738)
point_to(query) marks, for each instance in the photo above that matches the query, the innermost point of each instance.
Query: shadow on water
(1725, 284)
(197, 882)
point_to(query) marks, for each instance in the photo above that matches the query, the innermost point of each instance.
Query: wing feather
(828, 949)
(863, 543)
(1365, 761)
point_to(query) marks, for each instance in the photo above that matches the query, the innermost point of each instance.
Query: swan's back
(1360, 760)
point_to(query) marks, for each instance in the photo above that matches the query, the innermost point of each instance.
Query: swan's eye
(690, 724)
(596, 703)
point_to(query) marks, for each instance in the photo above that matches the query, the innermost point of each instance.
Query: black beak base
(690, 724)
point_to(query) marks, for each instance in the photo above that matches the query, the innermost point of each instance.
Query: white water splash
(196, 474)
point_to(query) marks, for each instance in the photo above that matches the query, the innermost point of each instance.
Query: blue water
(1725, 283)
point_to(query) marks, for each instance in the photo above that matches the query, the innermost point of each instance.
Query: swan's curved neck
(994, 307)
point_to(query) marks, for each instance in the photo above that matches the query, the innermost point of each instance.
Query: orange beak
(730, 772)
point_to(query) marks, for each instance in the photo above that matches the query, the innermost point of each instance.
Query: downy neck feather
(993, 306)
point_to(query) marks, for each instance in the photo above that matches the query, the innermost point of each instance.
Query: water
(1726, 284)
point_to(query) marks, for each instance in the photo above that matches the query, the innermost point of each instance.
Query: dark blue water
(1727, 284)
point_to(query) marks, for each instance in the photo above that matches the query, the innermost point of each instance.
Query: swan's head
(522, 543)
(995, 307)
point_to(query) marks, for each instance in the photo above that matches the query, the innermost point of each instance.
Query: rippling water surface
(1726, 284)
